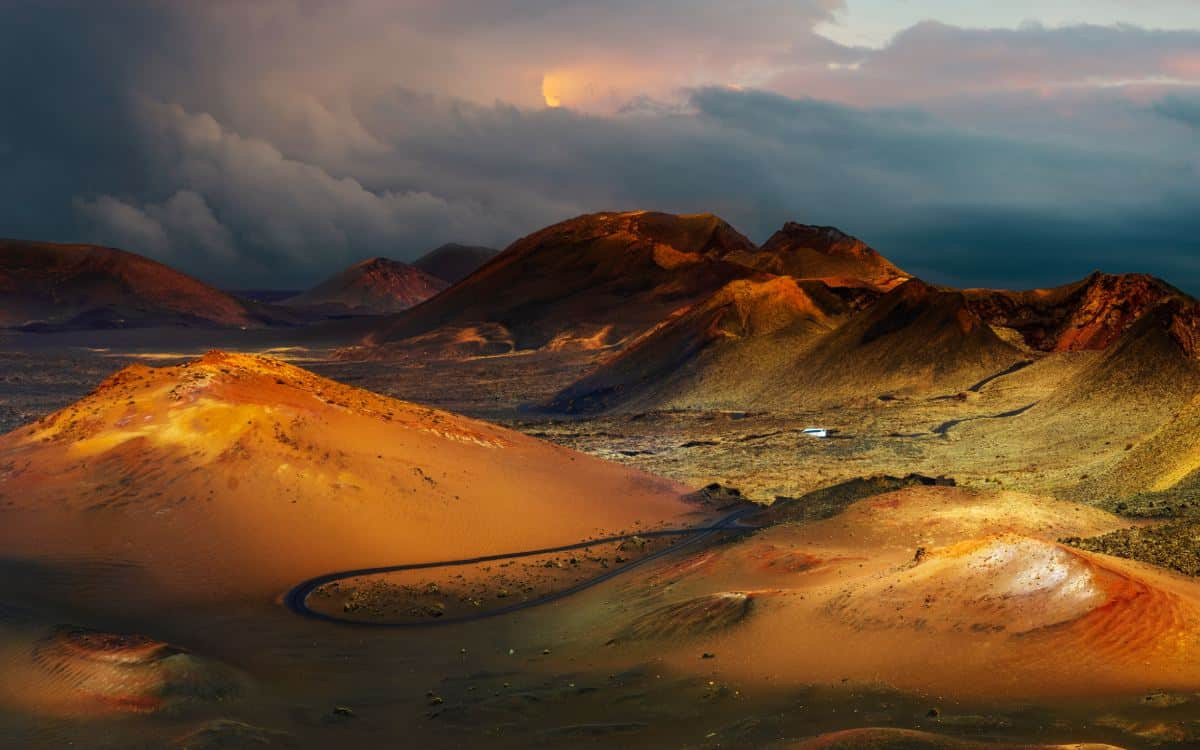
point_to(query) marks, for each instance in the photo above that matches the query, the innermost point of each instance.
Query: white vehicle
(817, 432)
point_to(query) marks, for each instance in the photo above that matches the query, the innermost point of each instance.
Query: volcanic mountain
(234, 475)
(812, 252)
(590, 281)
(374, 286)
(1147, 375)
(453, 262)
(1089, 314)
(1081, 409)
(1151, 378)
(915, 338)
(709, 355)
(45, 285)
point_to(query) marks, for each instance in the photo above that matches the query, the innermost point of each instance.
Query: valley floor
(562, 675)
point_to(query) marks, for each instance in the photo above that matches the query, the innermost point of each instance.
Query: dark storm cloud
(238, 143)
(63, 130)
(1181, 109)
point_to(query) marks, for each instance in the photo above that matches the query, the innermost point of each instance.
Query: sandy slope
(237, 475)
(74, 672)
(709, 355)
(927, 589)
(907, 739)
(1114, 398)
(914, 340)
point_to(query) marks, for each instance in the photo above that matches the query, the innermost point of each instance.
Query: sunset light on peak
(615, 374)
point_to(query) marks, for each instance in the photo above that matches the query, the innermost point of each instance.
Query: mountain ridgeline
(665, 311)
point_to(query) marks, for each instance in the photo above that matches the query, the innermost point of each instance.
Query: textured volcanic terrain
(992, 546)
(713, 354)
(453, 262)
(45, 285)
(915, 338)
(796, 346)
(591, 281)
(811, 252)
(1160, 358)
(1118, 396)
(932, 589)
(1088, 314)
(1157, 359)
(374, 286)
(236, 474)
(75, 672)
(907, 739)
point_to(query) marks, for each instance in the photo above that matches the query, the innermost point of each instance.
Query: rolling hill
(804, 251)
(372, 287)
(914, 339)
(591, 281)
(238, 475)
(711, 355)
(48, 286)
(453, 262)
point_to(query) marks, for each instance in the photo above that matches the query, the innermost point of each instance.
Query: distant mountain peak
(453, 262)
(600, 277)
(373, 286)
(1091, 313)
(826, 252)
(47, 286)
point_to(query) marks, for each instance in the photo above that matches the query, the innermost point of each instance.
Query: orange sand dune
(928, 589)
(236, 475)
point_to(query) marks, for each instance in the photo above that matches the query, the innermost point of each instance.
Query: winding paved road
(297, 598)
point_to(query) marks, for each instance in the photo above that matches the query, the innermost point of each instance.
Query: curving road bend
(296, 599)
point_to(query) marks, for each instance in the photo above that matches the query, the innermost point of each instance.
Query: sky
(268, 143)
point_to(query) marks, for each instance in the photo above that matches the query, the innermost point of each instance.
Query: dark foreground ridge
(296, 599)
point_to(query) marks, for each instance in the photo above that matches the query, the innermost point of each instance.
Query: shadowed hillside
(45, 286)
(915, 339)
(712, 354)
(592, 281)
(453, 262)
(1088, 314)
(374, 286)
